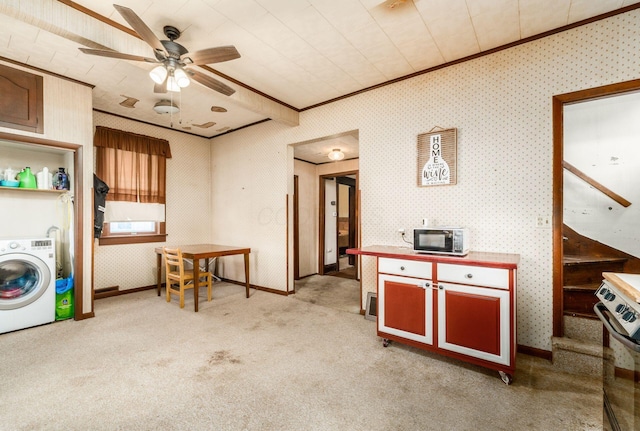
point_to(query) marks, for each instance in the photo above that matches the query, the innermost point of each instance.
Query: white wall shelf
(21, 189)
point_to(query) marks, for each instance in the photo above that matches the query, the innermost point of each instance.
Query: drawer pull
(402, 268)
(468, 275)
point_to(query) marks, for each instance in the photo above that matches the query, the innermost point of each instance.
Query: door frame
(321, 215)
(558, 155)
(296, 229)
(78, 219)
(351, 184)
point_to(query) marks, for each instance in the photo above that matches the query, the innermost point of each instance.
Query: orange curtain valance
(126, 141)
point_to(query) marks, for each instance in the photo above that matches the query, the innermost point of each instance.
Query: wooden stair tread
(581, 314)
(578, 260)
(585, 347)
(589, 287)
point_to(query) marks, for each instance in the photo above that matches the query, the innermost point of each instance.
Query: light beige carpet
(329, 291)
(265, 363)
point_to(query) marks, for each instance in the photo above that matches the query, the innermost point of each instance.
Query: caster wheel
(385, 342)
(506, 378)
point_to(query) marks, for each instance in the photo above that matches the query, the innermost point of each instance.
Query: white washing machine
(27, 283)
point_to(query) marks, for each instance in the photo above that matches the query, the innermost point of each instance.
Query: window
(132, 227)
(134, 168)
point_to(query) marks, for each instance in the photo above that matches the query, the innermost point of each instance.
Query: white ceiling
(294, 53)
(317, 151)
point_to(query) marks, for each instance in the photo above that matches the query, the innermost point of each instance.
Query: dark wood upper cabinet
(21, 101)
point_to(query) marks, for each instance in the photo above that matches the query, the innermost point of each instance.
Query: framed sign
(437, 158)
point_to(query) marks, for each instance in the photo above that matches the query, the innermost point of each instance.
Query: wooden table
(204, 251)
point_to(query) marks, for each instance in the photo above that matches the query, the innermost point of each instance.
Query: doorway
(338, 224)
(312, 166)
(566, 242)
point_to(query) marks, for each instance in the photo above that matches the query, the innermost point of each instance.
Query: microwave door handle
(602, 312)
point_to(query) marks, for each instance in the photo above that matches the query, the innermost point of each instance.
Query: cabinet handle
(402, 268)
(469, 275)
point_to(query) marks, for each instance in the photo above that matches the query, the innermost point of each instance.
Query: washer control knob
(14, 245)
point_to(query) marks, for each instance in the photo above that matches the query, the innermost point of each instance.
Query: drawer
(409, 268)
(476, 275)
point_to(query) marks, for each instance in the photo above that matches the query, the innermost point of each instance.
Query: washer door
(23, 279)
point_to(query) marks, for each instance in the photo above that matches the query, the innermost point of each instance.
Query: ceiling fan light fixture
(181, 77)
(336, 154)
(158, 74)
(172, 84)
(166, 107)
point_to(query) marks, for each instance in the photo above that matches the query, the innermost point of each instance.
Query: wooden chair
(178, 278)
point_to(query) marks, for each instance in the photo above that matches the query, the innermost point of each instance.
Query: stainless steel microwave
(441, 240)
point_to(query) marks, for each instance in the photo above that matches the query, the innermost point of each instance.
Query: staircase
(582, 276)
(580, 350)
(584, 261)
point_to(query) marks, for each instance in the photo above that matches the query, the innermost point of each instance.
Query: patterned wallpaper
(501, 106)
(188, 212)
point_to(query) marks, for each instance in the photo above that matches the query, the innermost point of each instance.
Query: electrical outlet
(543, 221)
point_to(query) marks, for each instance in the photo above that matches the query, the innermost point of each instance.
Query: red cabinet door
(474, 321)
(405, 307)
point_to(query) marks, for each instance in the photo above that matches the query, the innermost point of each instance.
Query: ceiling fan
(173, 72)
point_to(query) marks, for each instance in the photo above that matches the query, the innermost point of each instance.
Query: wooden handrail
(578, 173)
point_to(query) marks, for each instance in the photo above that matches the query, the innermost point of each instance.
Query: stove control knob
(629, 316)
(621, 308)
(603, 291)
(609, 296)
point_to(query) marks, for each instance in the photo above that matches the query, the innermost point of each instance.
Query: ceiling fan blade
(214, 55)
(213, 84)
(140, 27)
(116, 54)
